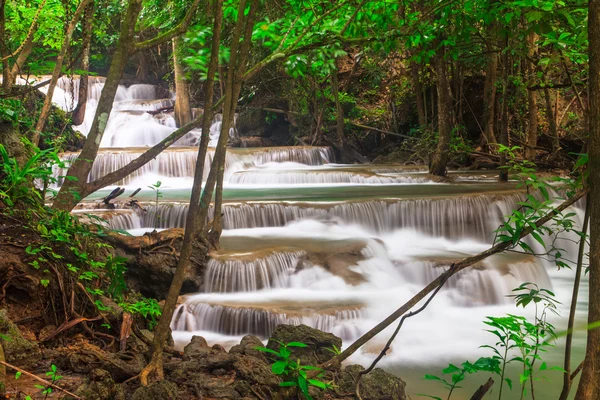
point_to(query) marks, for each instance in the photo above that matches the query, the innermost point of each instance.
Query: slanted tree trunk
(193, 224)
(79, 112)
(183, 111)
(589, 384)
(532, 129)
(551, 117)
(41, 123)
(445, 117)
(73, 190)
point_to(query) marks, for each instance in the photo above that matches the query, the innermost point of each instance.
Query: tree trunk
(445, 117)
(589, 384)
(489, 100)
(338, 107)
(79, 113)
(418, 88)
(193, 224)
(235, 75)
(4, 51)
(183, 111)
(41, 123)
(532, 129)
(551, 122)
(503, 174)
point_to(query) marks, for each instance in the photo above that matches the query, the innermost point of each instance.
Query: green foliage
(147, 308)
(18, 182)
(293, 373)
(458, 374)
(527, 338)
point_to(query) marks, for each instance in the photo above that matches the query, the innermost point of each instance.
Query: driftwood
(145, 241)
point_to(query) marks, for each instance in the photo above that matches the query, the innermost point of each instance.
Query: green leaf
(451, 369)
(432, 377)
(288, 384)
(509, 383)
(318, 383)
(296, 344)
(279, 367)
(17, 375)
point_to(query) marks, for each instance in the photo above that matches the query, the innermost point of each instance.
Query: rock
(255, 141)
(100, 386)
(17, 349)
(377, 385)
(196, 348)
(251, 122)
(248, 347)
(219, 348)
(255, 370)
(162, 390)
(318, 343)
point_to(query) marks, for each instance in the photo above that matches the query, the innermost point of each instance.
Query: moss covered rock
(319, 344)
(376, 385)
(17, 349)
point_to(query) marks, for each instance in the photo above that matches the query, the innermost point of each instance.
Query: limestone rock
(377, 385)
(318, 343)
(196, 348)
(100, 386)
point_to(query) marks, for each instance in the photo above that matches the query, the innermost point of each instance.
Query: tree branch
(170, 34)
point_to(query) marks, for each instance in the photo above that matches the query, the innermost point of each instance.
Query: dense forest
(268, 199)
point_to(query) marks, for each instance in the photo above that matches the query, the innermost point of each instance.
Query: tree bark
(445, 113)
(551, 117)
(503, 174)
(489, 100)
(418, 88)
(41, 123)
(183, 111)
(338, 107)
(79, 112)
(4, 51)
(589, 384)
(532, 129)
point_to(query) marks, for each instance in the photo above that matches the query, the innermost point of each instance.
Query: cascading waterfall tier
(319, 177)
(239, 275)
(460, 217)
(180, 162)
(260, 321)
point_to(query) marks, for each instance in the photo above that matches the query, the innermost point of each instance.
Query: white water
(284, 260)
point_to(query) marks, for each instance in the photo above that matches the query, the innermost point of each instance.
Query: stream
(336, 247)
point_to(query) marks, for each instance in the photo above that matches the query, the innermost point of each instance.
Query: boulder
(100, 386)
(376, 385)
(248, 347)
(17, 349)
(319, 344)
(196, 348)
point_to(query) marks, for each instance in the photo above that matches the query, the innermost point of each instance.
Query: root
(154, 369)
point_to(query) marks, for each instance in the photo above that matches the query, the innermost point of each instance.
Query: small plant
(45, 390)
(147, 308)
(484, 364)
(293, 373)
(158, 194)
(528, 339)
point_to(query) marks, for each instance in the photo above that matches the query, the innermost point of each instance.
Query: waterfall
(318, 177)
(241, 320)
(181, 162)
(460, 217)
(237, 275)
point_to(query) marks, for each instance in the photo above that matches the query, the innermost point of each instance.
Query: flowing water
(336, 247)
